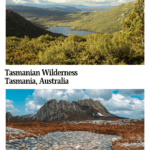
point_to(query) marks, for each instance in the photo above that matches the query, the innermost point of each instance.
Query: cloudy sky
(125, 103)
(67, 2)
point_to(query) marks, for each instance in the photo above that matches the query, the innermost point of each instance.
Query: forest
(120, 48)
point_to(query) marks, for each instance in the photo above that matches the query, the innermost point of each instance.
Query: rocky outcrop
(90, 109)
(8, 116)
(11, 118)
(61, 111)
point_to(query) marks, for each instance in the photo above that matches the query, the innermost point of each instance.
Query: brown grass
(130, 133)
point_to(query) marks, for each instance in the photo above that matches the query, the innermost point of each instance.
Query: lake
(66, 31)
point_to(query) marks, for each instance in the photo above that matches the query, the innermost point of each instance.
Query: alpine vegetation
(123, 47)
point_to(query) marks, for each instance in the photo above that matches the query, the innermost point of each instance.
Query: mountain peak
(81, 110)
(63, 110)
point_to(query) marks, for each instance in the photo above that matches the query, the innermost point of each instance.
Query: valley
(118, 37)
(108, 21)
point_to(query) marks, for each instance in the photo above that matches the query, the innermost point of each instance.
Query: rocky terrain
(64, 141)
(84, 124)
(61, 111)
(121, 134)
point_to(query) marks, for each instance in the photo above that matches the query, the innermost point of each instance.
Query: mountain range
(27, 11)
(32, 11)
(61, 111)
(104, 22)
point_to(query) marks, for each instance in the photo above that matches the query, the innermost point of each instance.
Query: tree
(133, 28)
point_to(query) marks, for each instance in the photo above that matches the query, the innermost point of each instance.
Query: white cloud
(81, 2)
(19, 1)
(59, 93)
(132, 92)
(31, 107)
(40, 97)
(125, 106)
(60, 1)
(37, 1)
(117, 97)
(103, 93)
(10, 107)
(124, 1)
(70, 91)
(117, 104)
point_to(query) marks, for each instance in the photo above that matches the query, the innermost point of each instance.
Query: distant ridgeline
(122, 47)
(80, 110)
(27, 11)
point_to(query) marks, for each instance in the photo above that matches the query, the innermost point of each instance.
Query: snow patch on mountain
(100, 114)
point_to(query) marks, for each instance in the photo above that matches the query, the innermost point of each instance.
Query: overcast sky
(124, 103)
(68, 2)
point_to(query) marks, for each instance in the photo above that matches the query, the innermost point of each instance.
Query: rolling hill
(68, 9)
(108, 21)
(102, 8)
(27, 11)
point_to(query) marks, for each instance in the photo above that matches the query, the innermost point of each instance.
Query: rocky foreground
(64, 141)
(68, 141)
(105, 122)
(102, 135)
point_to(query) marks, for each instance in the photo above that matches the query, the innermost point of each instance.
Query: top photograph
(69, 32)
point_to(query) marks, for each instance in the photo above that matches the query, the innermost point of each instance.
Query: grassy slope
(69, 9)
(105, 22)
(49, 21)
(18, 26)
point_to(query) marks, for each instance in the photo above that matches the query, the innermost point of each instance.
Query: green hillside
(27, 11)
(69, 9)
(18, 26)
(105, 22)
(120, 48)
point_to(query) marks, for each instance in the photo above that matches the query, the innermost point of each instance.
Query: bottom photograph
(70, 119)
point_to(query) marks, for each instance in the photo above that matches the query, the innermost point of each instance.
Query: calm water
(67, 31)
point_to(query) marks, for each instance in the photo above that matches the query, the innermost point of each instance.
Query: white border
(90, 77)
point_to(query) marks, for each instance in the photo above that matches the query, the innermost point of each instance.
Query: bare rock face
(64, 111)
(54, 111)
(8, 116)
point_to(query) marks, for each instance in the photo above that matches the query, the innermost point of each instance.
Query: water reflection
(66, 31)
